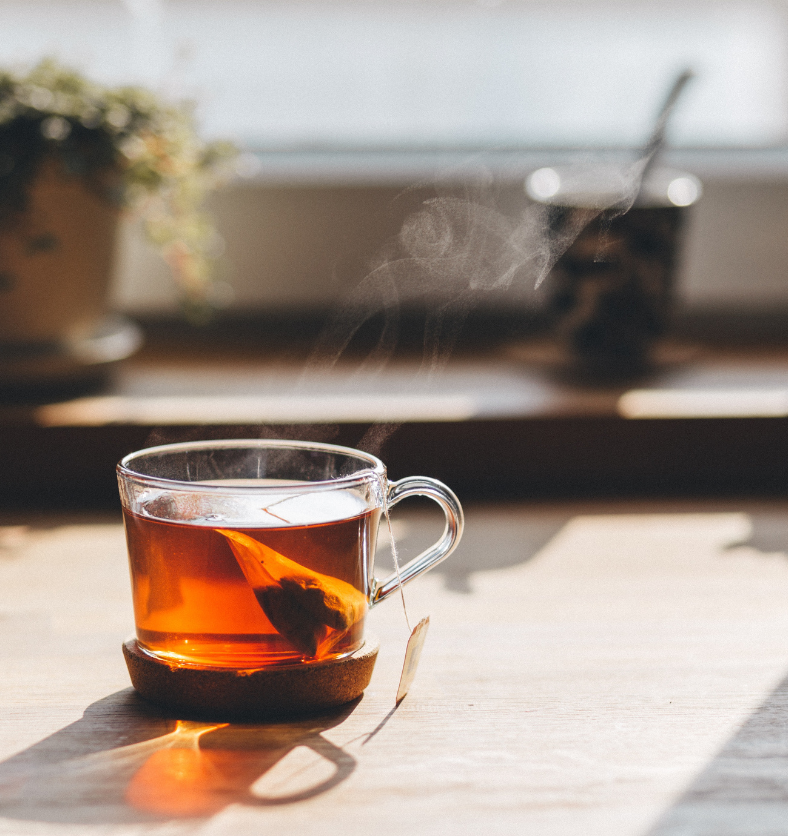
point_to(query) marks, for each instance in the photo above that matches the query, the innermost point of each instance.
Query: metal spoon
(653, 148)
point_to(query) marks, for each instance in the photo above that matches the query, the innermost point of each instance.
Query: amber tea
(257, 552)
(254, 595)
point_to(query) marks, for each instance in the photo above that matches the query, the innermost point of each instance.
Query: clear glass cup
(251, 553)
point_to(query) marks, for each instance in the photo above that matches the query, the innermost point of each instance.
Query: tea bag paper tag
(412, 655)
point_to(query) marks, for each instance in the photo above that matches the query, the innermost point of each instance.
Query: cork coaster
(264, 693)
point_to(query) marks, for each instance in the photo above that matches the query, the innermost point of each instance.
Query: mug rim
(376, 469)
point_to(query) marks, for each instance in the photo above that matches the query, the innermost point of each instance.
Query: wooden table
(598, 669)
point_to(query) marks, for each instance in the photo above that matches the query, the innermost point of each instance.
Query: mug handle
(455, 521)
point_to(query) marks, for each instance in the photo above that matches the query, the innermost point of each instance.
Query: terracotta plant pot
(56, 259)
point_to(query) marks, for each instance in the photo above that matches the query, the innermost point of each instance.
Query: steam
(450, 254)
(455, 250)
(447, 255)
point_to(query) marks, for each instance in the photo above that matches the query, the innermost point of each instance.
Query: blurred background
(339, 106)
(349, 115)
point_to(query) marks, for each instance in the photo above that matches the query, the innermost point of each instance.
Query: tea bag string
(394, 554)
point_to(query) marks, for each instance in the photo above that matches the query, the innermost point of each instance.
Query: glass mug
(246, 554)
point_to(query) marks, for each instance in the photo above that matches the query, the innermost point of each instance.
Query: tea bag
(304, 606)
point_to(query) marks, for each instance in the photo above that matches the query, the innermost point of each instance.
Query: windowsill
(503, 422)
(363, 167)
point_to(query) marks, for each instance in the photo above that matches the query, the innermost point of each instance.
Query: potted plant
(74, 155)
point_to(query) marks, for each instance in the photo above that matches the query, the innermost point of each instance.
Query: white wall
(309, 244)
(427, 73)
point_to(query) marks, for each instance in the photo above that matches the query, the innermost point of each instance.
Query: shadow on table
(488, 544)
(500, 538)
(744, 790)
(126, 762)
(493, 539)
(769, 533)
